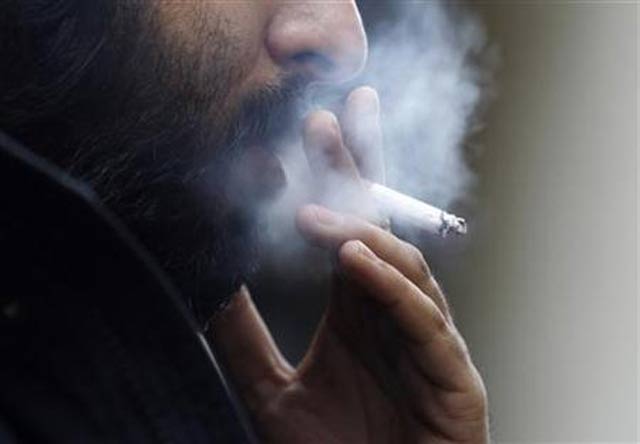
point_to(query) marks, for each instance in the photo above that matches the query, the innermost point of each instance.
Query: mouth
(259, 176)
(267, 120)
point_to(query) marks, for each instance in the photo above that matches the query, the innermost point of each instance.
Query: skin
(271, 39)
(387, 364)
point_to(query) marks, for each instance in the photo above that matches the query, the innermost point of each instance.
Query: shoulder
(94, 339)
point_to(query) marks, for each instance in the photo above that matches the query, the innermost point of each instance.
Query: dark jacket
(95, 344)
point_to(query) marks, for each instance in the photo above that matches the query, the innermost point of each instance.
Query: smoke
(432, 68)
(431, 65)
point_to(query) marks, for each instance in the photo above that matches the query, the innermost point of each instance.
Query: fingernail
(327, 217)
(373, 102)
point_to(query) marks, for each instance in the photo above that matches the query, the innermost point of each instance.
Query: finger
(437, 349)
(449, 411)
(251, 357)
(331, 162)
(324, 147)
(360, 123)
(330, 230)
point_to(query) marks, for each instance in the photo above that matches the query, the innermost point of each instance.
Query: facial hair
(155, 129)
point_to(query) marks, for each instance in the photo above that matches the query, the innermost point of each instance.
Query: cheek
(231, 32)
(245, 24)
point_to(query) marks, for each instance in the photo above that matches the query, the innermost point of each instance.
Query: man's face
(263, 42)
(179, 143)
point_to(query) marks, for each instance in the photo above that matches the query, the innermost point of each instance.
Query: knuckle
(464, 348)
(439, 323)
(477, 397)
(365, 231)
(418, 258)
(320, 121)
(458, 347)
(436, 327)
(480, 390)
(322, 132)
(464, 406)
(469, 402)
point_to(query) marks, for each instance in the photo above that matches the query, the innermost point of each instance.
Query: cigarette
(407, 210)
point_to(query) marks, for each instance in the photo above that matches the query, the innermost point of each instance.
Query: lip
(259, 176)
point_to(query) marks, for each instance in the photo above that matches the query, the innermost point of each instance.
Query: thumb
(246, 349)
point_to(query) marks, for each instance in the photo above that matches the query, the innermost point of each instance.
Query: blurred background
(545, 288)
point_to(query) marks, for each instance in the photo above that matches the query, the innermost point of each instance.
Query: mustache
(269, 114)
(263, 117)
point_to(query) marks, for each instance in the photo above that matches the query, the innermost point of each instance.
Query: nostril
(321, 42)
(314, 61)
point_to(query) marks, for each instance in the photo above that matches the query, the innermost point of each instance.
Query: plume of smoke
(432, 68)
(431, 65)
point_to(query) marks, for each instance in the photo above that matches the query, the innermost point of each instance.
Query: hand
(387, 364)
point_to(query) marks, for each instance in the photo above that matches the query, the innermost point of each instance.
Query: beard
(182, 191)
(160, 132)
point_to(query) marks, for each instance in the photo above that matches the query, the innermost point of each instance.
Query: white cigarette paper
(407, 210)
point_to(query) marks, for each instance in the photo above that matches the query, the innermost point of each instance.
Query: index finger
(360, 121)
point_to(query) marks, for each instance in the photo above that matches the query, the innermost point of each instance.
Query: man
(137, 132)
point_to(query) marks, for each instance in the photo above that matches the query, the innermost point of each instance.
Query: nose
(322, 41)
